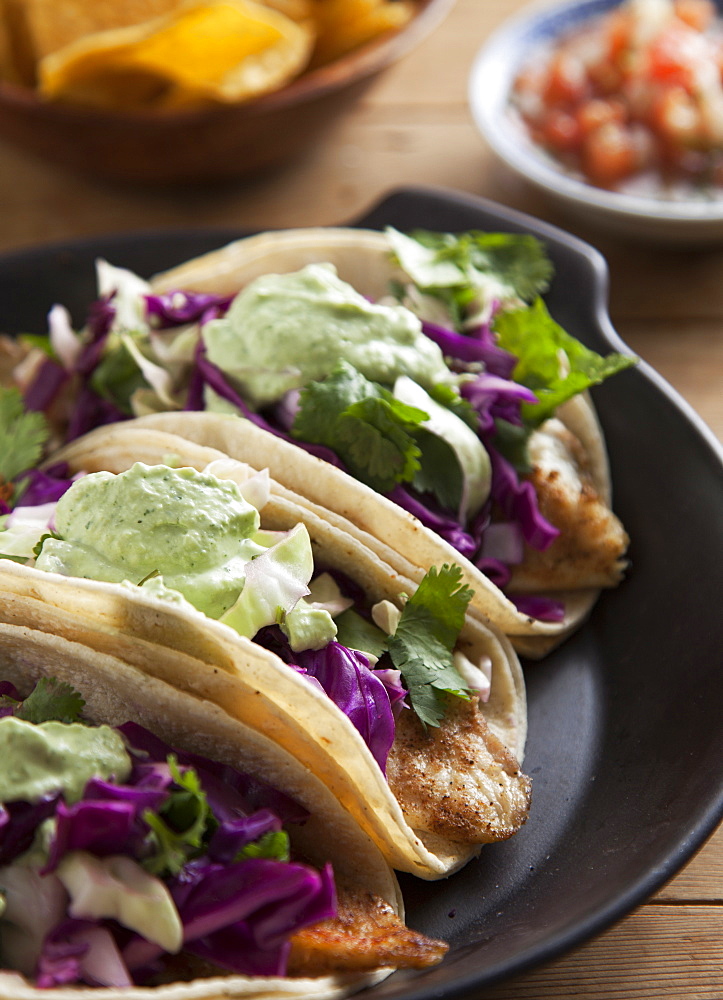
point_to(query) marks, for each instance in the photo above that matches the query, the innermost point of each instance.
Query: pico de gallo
(633, 100)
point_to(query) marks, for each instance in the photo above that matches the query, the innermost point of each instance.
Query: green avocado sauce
(57, 756)
(285, 330)
(194, 530)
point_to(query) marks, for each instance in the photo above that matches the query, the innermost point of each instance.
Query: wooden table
(414, 126)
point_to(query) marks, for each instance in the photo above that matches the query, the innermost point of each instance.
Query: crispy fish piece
(590, 551)
(365, 934)
(459, 780)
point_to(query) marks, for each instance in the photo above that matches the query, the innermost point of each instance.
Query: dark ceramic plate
(625, 746)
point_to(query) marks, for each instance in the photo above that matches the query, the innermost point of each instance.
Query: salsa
(633, 100)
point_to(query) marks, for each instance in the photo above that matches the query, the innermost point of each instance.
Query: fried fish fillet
(365, 934)
(458, 780)
(590, 550)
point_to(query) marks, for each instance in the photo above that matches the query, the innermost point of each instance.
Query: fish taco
(410, 710)
(414, 385)
(153, 846)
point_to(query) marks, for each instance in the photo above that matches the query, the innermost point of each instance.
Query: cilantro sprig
(273, 846)
(179, 828)
(459, 269)
(539, 343)
(424, 640)
(51, 700)
(370, 430)
(23, 434)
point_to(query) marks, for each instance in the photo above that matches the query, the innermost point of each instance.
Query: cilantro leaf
(511, 441)
(22, 435)
(539, 343)
(445, 395)
(51, 701)
(461, 269)
(273, 845)
(370, 430)
(518, 260)
(38, 547)
(439, 470)
(117, 375)
(357, 632)
(424, 640)
(179, 827)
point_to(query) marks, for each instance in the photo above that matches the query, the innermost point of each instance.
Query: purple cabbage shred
(178, 308)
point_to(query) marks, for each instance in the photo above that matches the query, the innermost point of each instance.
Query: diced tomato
(605, 77)
(676, 117)
(597, 111)
(619, 29)
(672, 55)
(610, 154)
(566, 82)
(698, 14)
(627, 93)
(561, 131)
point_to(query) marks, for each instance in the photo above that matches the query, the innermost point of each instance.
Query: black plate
(626, 743)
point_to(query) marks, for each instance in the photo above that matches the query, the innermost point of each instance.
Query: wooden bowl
(226, 142)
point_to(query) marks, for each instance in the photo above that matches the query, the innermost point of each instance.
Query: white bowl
(493, 73)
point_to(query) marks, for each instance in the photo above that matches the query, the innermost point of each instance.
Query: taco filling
(125, 861)
(439, 393)
(193, 540)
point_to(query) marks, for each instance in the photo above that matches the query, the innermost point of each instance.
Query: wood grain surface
(414, 127)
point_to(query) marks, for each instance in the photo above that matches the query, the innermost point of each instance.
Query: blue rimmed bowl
(508, 50)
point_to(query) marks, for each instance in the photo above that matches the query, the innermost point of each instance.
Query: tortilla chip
(17, 45)
(50, 25)
(228, 50)
(344, 25)
(297, 10)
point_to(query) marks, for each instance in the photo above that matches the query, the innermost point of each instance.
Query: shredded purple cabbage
(205, 372)
(18, 823)
(518, 502)
(366, 696)
(495, 398)
(346, 677)
(63, 951)
(40, 487)
(495, 570)
(49, 379)
(479, 344)
(444, 525)
(89, 410)
(545, 609)
(81, 951)
(179, 308)
(229, 792)
(237, 913)
(233, 835)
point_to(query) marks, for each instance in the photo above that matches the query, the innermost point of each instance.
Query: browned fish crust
(458, 780)
(590, 550)
(366, 934)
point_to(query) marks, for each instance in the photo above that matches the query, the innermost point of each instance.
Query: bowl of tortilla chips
(165, 91)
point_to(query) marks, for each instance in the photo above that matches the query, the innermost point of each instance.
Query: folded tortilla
(571, 474)
(449, 791)
(117, 691)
